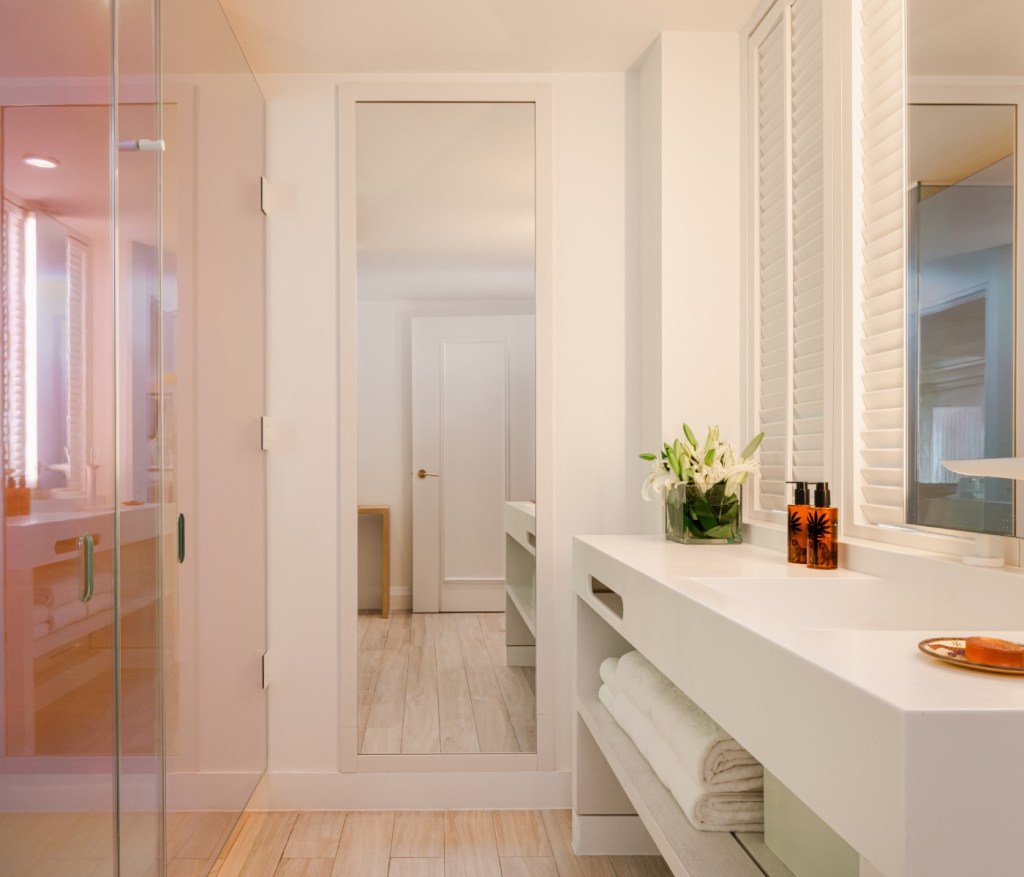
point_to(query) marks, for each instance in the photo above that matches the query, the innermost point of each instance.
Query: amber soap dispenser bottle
(822, 530)
(796, 524)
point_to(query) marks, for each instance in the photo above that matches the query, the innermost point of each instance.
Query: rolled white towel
(717, 811)
(41, 615)
(703, 746)
(707, 808)
(607, 670)
(636, 725)
(69, 613)
(641, 681)
(58, 593)
(40, 630)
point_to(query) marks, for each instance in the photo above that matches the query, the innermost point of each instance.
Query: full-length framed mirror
(445, 236)
(445, 274)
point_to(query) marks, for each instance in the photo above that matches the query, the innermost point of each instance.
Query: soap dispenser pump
(822, 530)
(796, 523)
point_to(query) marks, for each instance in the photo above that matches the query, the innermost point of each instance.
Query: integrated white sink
(827, 602)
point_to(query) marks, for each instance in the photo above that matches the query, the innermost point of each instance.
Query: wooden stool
(385, 553)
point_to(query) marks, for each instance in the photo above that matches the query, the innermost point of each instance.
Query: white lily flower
(658, 483)
(726, 466)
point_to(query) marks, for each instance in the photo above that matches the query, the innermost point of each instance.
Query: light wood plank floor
(454, 843)
(439, 683)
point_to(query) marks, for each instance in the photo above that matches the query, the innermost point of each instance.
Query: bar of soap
(989, 650)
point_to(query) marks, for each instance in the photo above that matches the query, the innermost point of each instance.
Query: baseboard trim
(540, 790)
(611, 836)
(210, 791)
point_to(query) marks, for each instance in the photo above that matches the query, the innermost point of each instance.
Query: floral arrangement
(700, 484)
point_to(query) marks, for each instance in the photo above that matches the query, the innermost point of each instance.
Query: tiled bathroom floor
(439, 683)
(454, 843)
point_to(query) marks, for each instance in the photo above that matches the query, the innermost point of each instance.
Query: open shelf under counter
(686, 850)
(520, 584)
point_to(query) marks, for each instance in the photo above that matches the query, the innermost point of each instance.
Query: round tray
(952, 652)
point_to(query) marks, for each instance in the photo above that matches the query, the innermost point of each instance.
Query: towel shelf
(520, 584)
(620, 807)
(687, 850)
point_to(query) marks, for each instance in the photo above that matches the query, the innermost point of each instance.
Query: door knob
(423, 473)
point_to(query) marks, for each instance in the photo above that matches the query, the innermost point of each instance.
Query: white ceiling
(947, 37)
(403, 36)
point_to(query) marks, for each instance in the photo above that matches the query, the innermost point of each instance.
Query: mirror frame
(349, 94)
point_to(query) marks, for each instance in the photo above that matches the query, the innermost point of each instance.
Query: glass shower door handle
(181, 538)
(86, 567)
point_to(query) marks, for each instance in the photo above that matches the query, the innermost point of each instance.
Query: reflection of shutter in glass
(14, 339)
(77, 273)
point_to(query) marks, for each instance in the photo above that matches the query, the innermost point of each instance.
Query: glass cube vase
(694, 517)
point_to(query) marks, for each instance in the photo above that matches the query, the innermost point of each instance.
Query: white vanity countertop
(819, 675)
(862, 628)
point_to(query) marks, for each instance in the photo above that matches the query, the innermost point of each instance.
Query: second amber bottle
(822, 530)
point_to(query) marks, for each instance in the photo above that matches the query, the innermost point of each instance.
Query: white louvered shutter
(77, 270)
(808, 378)
(787, 64)
(880, 451)
(771, 215)
(14, 337)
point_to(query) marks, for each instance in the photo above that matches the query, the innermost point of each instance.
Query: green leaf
(648, 457)
(690, 437)
(751, 448)
(709, 457)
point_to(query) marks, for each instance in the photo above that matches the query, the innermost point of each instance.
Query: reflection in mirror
(961, 226)
(45, 354)
(446, 455)
(960, 288)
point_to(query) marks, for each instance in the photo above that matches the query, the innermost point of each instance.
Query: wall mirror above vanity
(445, 241)
(965, 86)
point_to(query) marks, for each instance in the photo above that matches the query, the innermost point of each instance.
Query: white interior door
(473, 428)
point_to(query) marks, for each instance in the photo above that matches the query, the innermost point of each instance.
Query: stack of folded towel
(718, 784)
(58, 604)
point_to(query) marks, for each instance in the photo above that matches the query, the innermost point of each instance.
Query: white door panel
(473, 427)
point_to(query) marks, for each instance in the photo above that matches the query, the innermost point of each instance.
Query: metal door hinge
(141, 146)
(265, 671)
(266, 432)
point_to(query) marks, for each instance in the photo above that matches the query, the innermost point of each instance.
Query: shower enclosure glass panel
(82, 750)
(143, 526)
(60, 619)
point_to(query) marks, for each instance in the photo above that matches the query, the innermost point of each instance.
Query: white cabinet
(620, 807)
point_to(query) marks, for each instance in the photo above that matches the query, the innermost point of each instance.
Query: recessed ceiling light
(40, 161)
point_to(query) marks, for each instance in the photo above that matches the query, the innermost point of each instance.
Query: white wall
(385, 431)
(595, 309)
(587, 383)
(687, 94)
